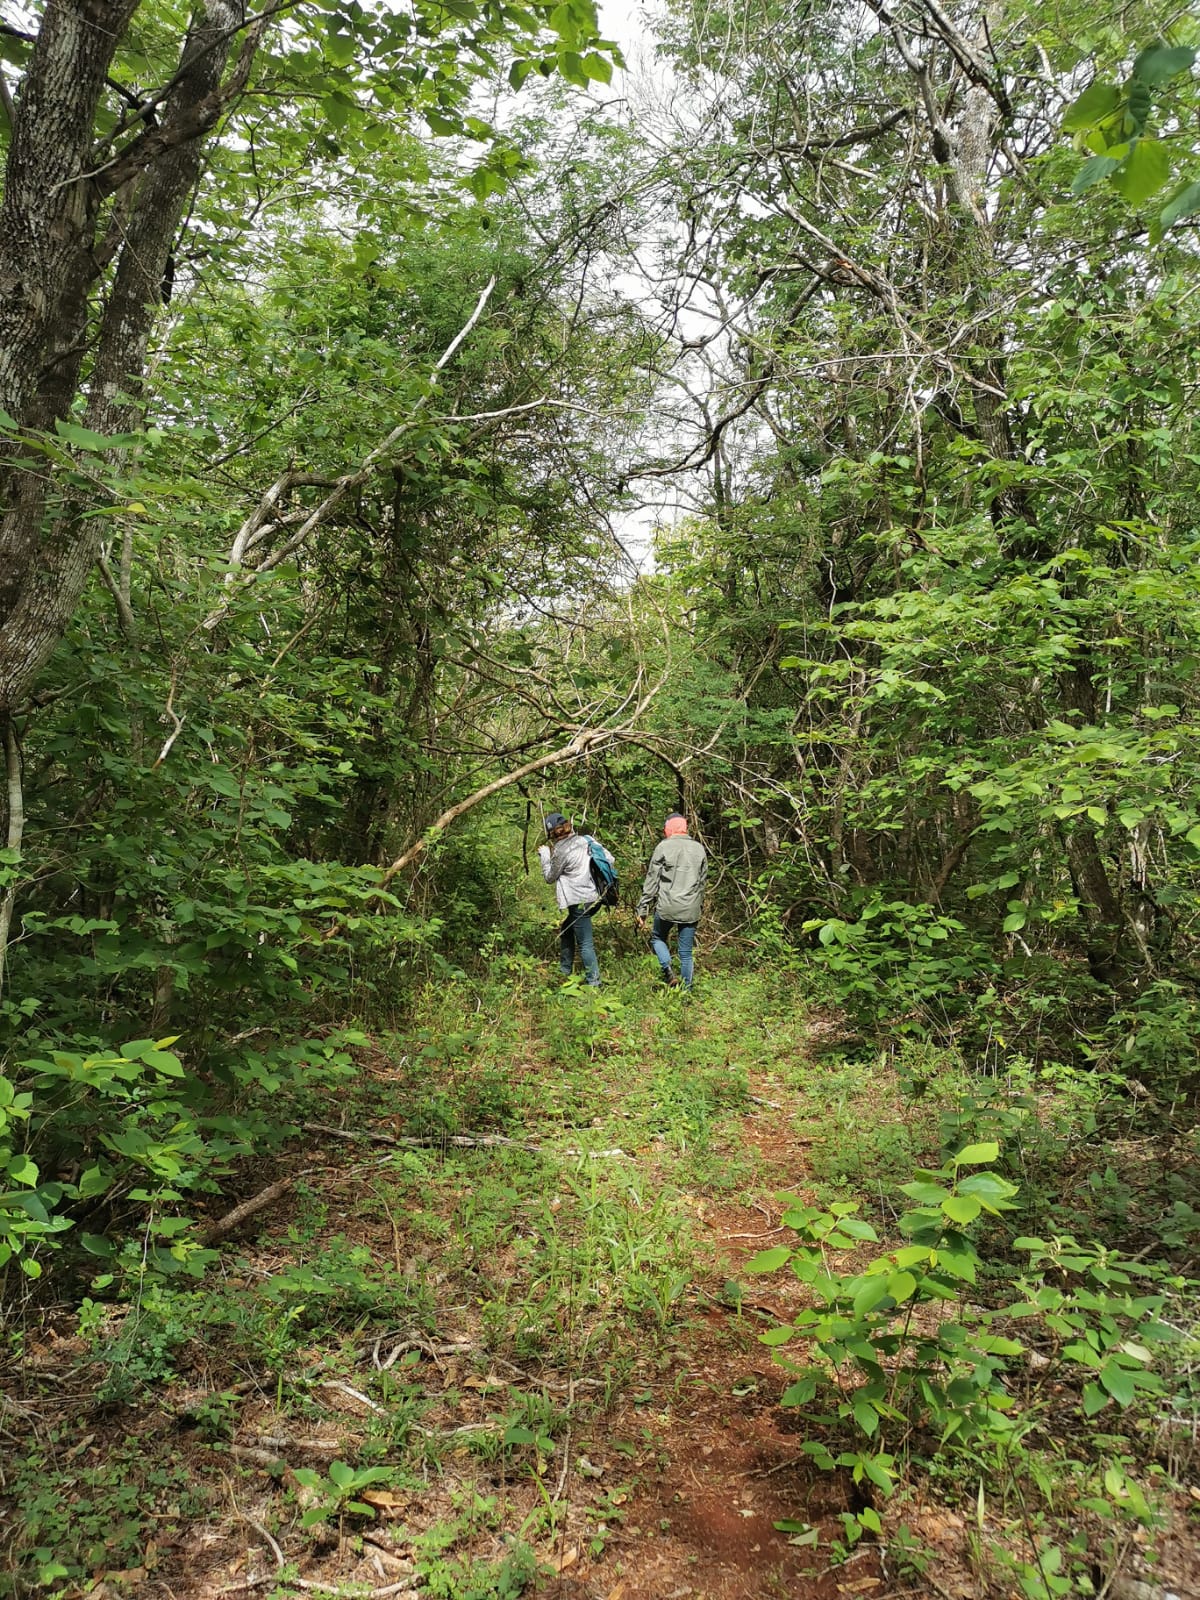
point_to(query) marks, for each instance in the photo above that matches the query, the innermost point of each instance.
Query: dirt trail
(724, 1464)
(671, 1491)
(682, 1480)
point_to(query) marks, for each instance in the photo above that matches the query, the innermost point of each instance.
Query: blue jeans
(576, 933)
(658, 943)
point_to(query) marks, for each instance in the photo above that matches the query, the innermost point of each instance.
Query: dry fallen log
(257, 1202)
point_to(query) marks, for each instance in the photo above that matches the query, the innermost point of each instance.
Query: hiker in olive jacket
(674, 889)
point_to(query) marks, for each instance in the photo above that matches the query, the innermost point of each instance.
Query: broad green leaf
(1185, 203)
(776, 1336)
(799, 1393)
(81, 438)
(570, 64)
(872, 1292)
(1014, 921)
(1098, 100)
(769, 1260)
(866, 1416)
(1158, 63)
(901, 1286)
(962, 1207)
(929, 1194)
(856, 1228)
(974, 1155)
(1092, 171)
(1143, 173)
(22, 1170)
(1118, 1382)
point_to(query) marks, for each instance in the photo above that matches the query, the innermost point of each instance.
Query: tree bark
(14, 833)
(52, 256)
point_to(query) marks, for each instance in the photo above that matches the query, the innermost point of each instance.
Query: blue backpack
(608, 885)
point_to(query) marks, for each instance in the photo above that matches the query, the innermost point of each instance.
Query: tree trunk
(52, 255)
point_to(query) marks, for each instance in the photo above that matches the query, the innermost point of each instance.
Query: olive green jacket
(675, 879)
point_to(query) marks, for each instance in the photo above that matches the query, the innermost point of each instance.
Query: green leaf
(876, 1468)
(598, 67)
(93, 1182)
(1014, 921)
(1092, 171)
(1098, 101)
(901, 1286)
(1158, 63)
(799, 1393)
(570, 64)
(22, 1170)
(81, 438)
(975, 1155)
(857, 1229)
(872, 1292)
(867, 1417)
(769, 1260)
(338, 108)
(1143, 172)
(776, 1336)
(929, 1194)
(962, 1207)
(1182, 204)
(1138, 106)
(1119, 1383)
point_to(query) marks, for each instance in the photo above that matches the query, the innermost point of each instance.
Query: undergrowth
(418, 1341)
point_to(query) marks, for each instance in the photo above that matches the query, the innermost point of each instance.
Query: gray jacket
(566, 867)
(675, 880)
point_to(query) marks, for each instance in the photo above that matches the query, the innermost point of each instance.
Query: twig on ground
(353, 1394)
(270, 1441)
(260, 1458)
(465, 1141)
(408, 1582)
(258, 1202)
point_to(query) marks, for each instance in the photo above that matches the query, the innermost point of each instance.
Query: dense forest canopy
(411, 421)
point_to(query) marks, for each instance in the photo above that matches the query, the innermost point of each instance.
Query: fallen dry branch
(409, 1582)
(466, 1141)
(257, 1202)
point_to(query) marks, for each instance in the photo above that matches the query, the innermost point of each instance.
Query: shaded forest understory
(419, 417)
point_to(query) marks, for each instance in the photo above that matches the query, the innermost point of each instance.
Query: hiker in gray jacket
(674, 888)
(565, 864)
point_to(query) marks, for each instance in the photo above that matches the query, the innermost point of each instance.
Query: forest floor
(526, 1361)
